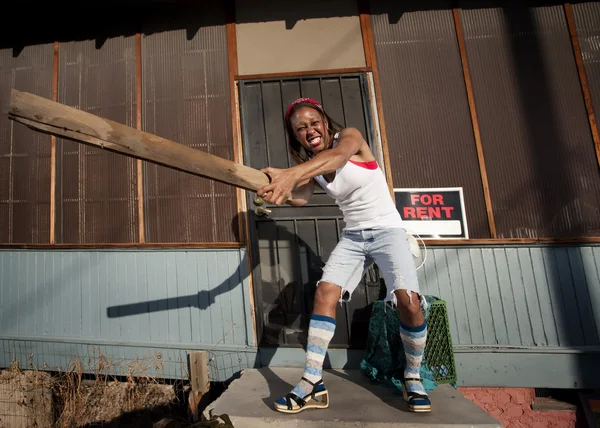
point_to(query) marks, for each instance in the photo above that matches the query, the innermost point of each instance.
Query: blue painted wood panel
(540, 296)
(174, 299)
(132, 305)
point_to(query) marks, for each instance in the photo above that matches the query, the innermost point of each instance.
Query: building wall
(519, 316)
(275, 37)
(138, 309)
(513, 296)
(516, 314)
(426, 111)
(537, 149)
(24, 155)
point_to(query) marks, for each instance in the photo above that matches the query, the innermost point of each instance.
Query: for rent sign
(433, 213)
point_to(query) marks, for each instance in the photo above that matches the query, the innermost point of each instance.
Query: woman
(340, 161)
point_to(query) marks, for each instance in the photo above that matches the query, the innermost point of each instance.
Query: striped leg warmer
(320, 332)
(414, 339)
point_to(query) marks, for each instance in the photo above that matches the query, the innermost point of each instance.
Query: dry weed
(84, 400)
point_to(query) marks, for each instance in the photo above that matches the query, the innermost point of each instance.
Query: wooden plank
(365, 28)
(53, 151)
(583, 78)
(475, 122)
(138, 125)
(516, 288)
(546, 303)
(511, 241)
(367, 31)
(583, 296)
(482, 295)
(507, 301)
(471, 297)
(591, 267)
(58, 119)
(238, 153)
(563, 280)
(532, 299)
(199, 382)
(232, 64)
(144, 245)
(492, 283)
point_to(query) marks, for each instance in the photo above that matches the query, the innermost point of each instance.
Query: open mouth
(314, 141)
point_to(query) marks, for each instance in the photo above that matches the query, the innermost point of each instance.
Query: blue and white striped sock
(320, 332)
(414, 340)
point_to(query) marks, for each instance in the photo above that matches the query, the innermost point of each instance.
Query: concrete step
(354, 402)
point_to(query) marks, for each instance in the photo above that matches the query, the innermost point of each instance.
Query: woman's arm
(350, 142)
(284, 181)
(303, 192)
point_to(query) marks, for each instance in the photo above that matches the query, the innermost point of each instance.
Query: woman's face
(310, 129)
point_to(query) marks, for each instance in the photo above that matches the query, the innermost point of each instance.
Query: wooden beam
(132, 245)
(199, 381)
(238, 156)
(583, 78)
(138, 125)
(238, 245)
(511, 241)
(53, 151)
(366, 30)
(232, 62)
(475, 122)
(48, 116)
(369, 48)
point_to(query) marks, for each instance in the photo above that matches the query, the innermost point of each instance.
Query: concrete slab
(354, 402)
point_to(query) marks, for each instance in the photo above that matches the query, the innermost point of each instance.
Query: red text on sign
(433, 207)
(428, 212)
(427, 199)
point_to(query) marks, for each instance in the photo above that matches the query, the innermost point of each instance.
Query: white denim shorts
(357, 250)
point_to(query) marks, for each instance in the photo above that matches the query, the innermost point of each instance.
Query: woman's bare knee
(326, 297)
(409, 307)
(410, 303)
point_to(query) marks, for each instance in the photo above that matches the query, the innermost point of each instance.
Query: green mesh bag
(384, 360)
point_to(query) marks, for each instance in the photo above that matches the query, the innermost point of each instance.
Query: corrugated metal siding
(179, 299)
(96, 189)
(535, 133)
(518, 296)
(24, 154)
(427, 117)
(186, 99)
(587, 23)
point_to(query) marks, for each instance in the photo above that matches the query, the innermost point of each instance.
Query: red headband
(303, 100)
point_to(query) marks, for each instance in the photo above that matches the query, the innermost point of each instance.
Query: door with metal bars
(290, 245)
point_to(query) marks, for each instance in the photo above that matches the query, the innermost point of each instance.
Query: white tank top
(361, 192)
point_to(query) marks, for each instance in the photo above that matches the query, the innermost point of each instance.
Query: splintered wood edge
(106, 145)
(14, 113)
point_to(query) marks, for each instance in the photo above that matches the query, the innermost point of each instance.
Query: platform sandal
(291, 403)
(418, 403)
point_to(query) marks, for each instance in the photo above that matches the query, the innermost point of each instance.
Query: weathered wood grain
(57, 119)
